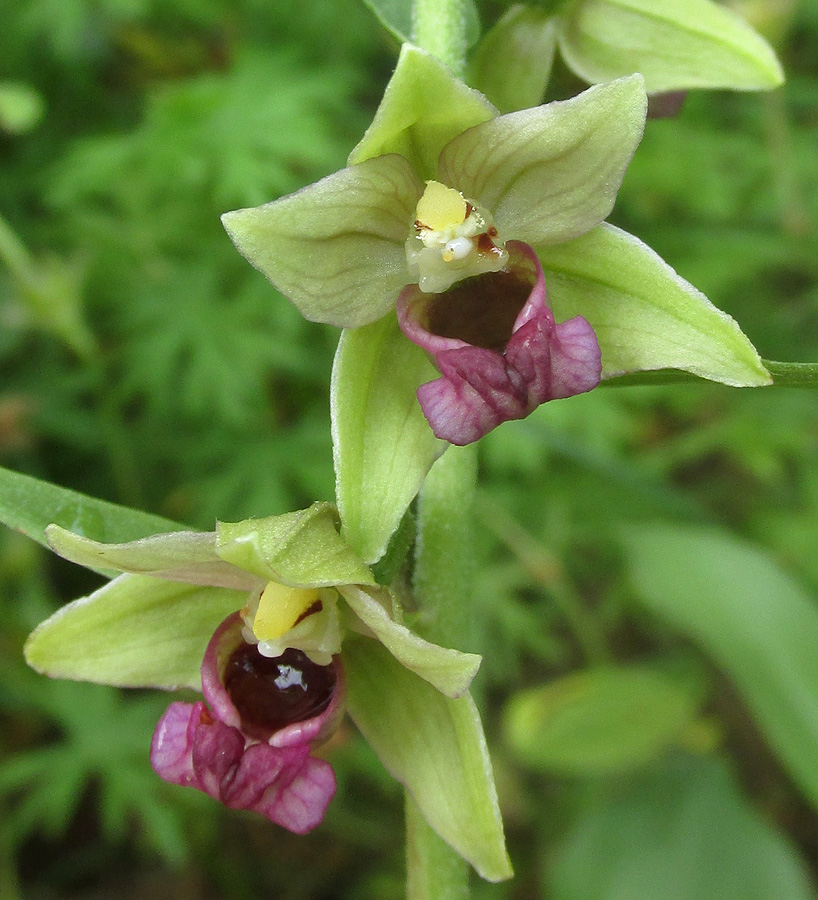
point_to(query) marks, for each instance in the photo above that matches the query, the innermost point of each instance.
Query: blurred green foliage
(145, 363)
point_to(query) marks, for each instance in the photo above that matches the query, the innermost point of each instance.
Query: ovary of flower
(452, 239)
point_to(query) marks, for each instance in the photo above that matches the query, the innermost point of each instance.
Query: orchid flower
(480, 238)
(281, 626)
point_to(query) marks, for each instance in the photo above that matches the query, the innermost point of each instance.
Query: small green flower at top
(282, 628)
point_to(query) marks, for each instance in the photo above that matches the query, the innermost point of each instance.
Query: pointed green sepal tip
(644, 314)
(435, 747)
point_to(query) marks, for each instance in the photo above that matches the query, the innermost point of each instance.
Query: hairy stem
(439, 27)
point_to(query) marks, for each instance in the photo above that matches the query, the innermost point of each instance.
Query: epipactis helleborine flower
(381, 234)
(281, 626)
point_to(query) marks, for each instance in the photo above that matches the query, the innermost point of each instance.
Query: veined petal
(489, 376)
(135, 631)
(450, 671)
(645, 315)
(336, 247)
(188, 556)
(300, 549)
(424, 106)
(674, 44)
(551, 173)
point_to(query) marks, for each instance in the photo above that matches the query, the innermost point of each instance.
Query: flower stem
(443, 575)
(443, 564)
(439, 27)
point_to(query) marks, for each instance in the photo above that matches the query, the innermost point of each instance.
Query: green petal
(382, 444)
(645, 315)
(301, 549)
(756, 623)
(450, 671)
(135, 631)
(188, 556)
(336, 248)
(435, 747)
(675, 44)
(551, 173)
(423, 108)
(30, 506)
(512, 63)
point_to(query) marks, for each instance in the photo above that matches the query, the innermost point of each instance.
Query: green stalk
(439, 27)
(443, 563)
(443, 576)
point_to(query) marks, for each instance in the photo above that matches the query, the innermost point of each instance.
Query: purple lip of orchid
(498, 349)
(251, 748)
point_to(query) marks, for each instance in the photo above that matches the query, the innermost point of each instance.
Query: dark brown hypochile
(481, 310)
(272, 692)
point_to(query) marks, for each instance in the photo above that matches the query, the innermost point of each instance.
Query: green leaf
(682, 831)
(552, 173)
(135, 631)
(645, 315)
(602, 720)
(301, 549)
(382, 444)
(750, 617)
(336, 248)
(30, 505)
(423, 108)
(188, 556)
(450, 671)
(675, 44)
(396, 17)
(512, 63)
(435, 747)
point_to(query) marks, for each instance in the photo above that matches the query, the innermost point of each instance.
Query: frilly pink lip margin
(205, 748)
(480, 388)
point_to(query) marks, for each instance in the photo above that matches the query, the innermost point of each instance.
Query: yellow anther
(448, 255)
(441, 207)
(279, 608)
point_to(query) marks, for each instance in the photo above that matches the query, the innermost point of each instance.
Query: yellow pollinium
(279, 608)
(441, 207)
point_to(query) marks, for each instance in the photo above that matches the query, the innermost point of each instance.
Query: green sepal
(450, 671)
(187, 556)
(512, 63)
(136, 631)
(29, 505)
(645, 315)
(675, 44)
(551, 173)
(300, 549)
(336, 248)
(755, 622)
(424, 106)
(382, 444)
(435, 747)
(603, 720)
